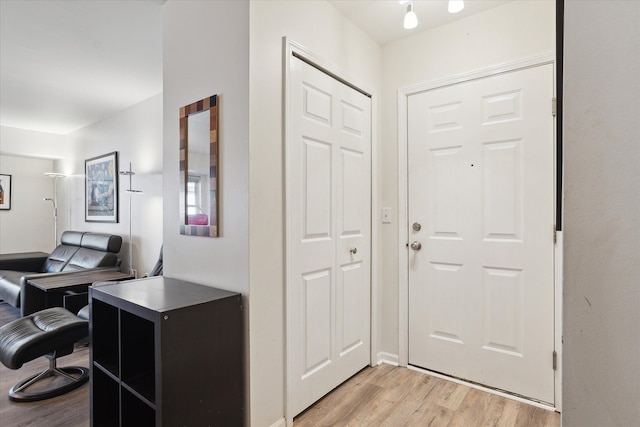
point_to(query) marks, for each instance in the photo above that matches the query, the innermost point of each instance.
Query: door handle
(353, 251)
(416, 246)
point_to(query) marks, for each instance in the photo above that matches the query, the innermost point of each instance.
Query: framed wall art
(5, 192)
(101, 188)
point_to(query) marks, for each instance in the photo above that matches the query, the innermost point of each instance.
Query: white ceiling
(65, 64)
(382, 19)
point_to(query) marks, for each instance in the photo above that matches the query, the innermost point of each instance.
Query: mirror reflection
(198, 168)
(198, 172)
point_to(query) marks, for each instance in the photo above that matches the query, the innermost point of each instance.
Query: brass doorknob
(416, 246)
(353, 251)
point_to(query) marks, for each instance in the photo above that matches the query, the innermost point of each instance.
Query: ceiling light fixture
(410, 19)
(455, 6)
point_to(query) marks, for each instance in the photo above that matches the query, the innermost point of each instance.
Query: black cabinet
(165, 352)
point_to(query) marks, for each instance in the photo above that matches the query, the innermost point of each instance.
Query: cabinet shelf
(105, 325)
(105, 371)
(143, 387)
(139, 397)
(165, 352)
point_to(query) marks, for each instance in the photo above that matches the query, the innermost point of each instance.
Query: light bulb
(456, 6)
(410, 19)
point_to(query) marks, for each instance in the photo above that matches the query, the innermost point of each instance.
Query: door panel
(328, 199)
(317, 191)
(503, 190)
(481, 184)
(316, 313)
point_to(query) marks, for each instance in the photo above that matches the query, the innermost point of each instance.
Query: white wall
(321, 28)
(515, 30)
(601, 368)
(28, 143)
(136, 134)
(206, 52)
(28, 225)
(206, 46)
(29, 154)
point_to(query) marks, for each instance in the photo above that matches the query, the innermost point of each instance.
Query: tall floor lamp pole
(131, 192)
(55, 177)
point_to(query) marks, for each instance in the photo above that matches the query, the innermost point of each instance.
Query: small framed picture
(5, 192)
(101, 188)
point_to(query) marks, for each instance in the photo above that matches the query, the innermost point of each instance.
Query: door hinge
(555, 235)
(554, 106)
(555, 361)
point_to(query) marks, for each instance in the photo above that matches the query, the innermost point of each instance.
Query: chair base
(18, 393)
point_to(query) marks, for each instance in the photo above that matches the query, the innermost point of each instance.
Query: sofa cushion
(10, 286)
(102, 242)
(90, 258)
(27, 338)
(59, 258)
(73, 238)
(70, 242)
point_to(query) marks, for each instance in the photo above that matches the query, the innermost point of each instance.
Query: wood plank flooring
(394, 397)
(380, 396)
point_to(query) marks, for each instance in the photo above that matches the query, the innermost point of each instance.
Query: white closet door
(328, 200)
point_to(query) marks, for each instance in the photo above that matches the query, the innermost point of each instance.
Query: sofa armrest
(27, 277)
(30, 261)
(30, 302)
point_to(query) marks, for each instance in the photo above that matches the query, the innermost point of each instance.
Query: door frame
(403, 200)
(292, 49)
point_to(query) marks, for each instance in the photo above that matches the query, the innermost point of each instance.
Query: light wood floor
(394, 397)
(380, 396)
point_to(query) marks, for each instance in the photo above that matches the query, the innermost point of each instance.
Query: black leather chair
(78, 251)
(51, 333)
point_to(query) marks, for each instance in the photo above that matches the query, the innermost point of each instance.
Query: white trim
(403, 227)
(485, 389)
(518, 64)
(403, 218)
(280, 423)
(375, 224)
(286, 66)
(290, 48)
(559, 268)
(387, 359)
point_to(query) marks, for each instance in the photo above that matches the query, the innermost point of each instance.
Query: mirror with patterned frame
(199, 168)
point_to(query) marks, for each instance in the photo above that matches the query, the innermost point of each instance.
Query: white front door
(481, 196)
(328, 223)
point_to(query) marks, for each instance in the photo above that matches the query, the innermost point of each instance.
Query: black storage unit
(165, 352)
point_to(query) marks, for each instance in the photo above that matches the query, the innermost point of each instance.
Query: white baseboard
(280, 423)
(388, 358)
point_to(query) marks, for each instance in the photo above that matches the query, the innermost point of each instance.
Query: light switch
(386, 215)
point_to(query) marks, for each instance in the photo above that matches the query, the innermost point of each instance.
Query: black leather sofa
(78, 251)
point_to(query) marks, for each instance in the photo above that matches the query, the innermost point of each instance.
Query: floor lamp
(55, 177)
(133, 272)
